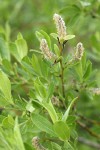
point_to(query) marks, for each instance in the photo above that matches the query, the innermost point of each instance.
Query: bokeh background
(82, 18)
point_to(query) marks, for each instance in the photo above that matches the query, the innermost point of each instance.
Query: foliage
(49, 98)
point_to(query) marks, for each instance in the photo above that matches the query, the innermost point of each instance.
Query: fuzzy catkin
(60, 25)
(56, 102)
(36, 144)
(45, 49)
(79, 51)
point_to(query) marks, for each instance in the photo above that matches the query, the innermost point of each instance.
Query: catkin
(45, 49)
(79, 51)
(60, 25)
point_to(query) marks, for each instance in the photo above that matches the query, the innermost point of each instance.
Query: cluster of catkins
(61, 31)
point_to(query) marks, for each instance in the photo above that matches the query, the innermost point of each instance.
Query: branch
(88, 130)
(89, 143)
(62, 68)
(89, 120)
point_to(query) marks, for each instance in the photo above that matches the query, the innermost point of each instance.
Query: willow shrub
(39, 93)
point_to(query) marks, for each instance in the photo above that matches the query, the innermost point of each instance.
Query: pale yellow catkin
(45, 49)
(60, 25)
(36, 144)
(79, 51)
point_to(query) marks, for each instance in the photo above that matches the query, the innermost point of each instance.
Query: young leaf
(62, 130)
(65, 116)
(21, 46)
(5, 86)
(69, 37)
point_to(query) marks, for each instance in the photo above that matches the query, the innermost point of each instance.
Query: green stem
(62, 69)
(62, 78)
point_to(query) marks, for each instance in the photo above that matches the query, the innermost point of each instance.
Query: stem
(62, 68)
(87, 129)
(89, 120)
(62, 78)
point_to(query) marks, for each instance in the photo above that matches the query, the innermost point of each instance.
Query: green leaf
(29, 107)
(14, 52)
(40, 89)
(56, 50)
(67, 146)
(62, 130)
(43, 124)
(95, 42)
(39, 36)
(55, 146)
(21, 46)
(4, 144)
(36, 64)
(5, 86)
(7, 66)
(50, 91)
(49, 107)
(88, 70)
(79, 70)
(4, 49)
(8, 122)
(46, 36)
(36, 51)
(69, 37)
(8, 31)
(3, 100)
(84, 61)
(17, 136)
(71, 120)
(54, 35)
(19, 36)
(65, 116)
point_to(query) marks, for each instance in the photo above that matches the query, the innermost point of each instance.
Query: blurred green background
(26, 16)
(82, 18)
